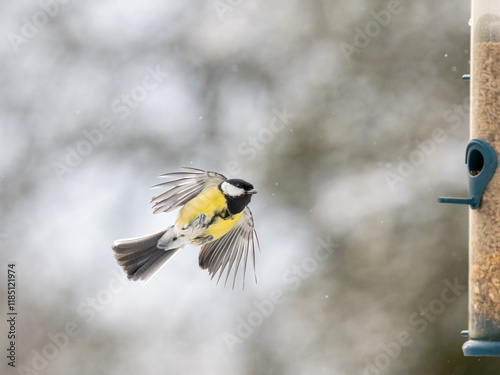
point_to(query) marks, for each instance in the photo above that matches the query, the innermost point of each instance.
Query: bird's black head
(238, 194)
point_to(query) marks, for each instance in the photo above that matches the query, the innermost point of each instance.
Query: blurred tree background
(350, 118)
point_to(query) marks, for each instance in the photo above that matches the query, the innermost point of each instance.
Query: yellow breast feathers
(212, 203)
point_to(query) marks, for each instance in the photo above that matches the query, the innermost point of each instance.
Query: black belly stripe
(224, 215)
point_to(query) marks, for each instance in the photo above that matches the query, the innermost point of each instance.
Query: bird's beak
(253, 191)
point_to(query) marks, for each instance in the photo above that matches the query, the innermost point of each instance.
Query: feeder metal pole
(484, 222)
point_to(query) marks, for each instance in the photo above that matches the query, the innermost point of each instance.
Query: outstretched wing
(184, 187)
(231, 249)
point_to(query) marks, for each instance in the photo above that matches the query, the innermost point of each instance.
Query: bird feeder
(484, 183)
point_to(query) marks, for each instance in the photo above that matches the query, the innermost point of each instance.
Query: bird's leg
(196, 223)
(197, 227)
(202, 240)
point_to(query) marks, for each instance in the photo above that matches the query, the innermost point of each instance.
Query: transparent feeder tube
(484, 223)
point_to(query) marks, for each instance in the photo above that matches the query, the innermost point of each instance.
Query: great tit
(213, 213)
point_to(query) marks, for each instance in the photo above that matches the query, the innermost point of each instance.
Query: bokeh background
(350, 118)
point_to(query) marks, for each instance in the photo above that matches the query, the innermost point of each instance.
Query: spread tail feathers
(140, 257)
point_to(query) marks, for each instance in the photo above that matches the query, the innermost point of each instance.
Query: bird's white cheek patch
(231, 190)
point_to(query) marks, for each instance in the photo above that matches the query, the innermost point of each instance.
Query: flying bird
(213, 214)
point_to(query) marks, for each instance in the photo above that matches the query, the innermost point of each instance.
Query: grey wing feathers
(229, 250)
(184, 187)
